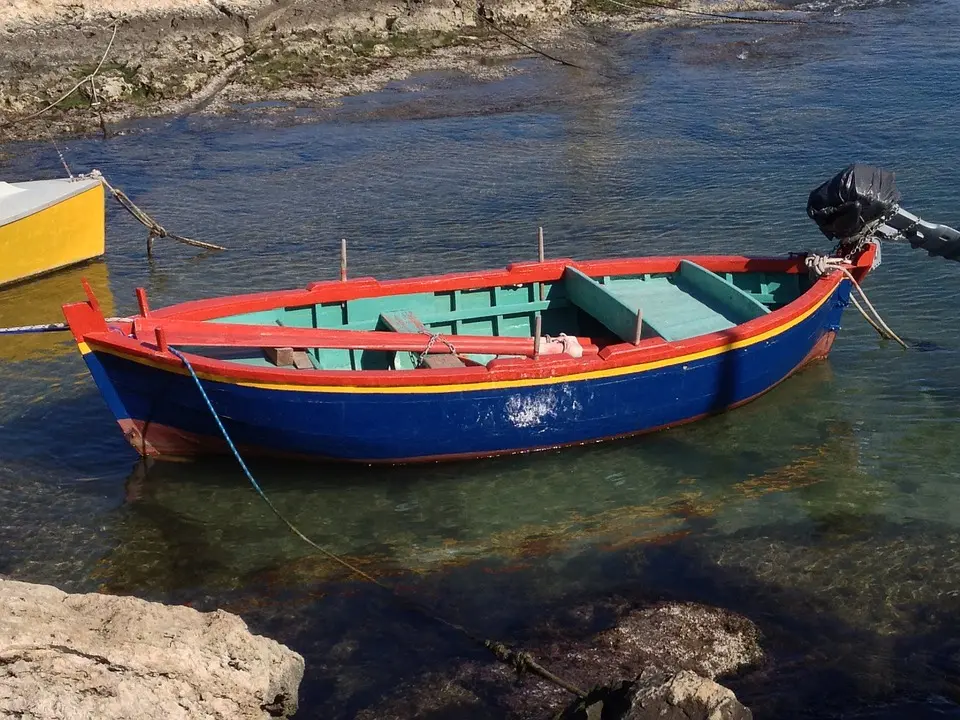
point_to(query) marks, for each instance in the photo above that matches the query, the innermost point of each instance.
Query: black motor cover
(858, 196)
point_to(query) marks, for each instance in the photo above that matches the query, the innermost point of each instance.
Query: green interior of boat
(674, 306)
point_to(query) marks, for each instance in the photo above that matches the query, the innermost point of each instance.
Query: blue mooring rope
(520, 661)
(253, 480)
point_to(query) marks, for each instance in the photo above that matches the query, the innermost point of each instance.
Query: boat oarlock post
(540, 255)
(142, 303)
(537, 330)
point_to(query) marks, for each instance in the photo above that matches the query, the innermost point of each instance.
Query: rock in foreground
(102, 656)
(660, 696)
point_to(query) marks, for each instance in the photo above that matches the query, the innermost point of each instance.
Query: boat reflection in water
(39, 301)
(200, 524)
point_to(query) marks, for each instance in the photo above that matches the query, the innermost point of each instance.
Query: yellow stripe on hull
(66, 233)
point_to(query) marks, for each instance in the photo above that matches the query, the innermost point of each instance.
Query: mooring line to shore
(526, 45)
(155, 229)
(87, 78)
(221, 79)
(520, 661)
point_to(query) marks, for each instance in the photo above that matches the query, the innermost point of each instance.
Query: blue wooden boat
(537, 355)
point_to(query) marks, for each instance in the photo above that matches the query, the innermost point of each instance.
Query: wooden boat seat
(616, 313)
(405, 321)
(693, 301)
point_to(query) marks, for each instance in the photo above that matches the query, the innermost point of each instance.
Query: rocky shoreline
(105, 656)
(68, 655)
(175, 57)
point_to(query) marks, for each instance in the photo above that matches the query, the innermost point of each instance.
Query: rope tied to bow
(823, 265)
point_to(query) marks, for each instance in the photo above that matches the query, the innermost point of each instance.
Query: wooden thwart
(615, 313)
(722, 293)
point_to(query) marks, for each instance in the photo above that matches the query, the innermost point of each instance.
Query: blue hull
(162, 412)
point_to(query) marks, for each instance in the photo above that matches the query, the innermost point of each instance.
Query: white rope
(820, 265)
(49, 327)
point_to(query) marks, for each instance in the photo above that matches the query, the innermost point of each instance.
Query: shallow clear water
(827, 510)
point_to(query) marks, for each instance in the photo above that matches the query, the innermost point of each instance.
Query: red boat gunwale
(88, 326)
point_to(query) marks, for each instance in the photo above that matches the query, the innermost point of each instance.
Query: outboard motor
(861, 203)
(852, 203)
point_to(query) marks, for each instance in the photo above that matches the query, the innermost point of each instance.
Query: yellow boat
(49, 224)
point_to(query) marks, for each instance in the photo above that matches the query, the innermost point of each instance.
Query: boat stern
(51, 224)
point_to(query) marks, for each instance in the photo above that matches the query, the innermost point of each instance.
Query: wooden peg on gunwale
(540, 257)
(639, 329)
(161, 339)
(343, 259)
(142, 302)
(536, 336)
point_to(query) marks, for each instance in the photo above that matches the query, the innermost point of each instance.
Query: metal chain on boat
(907, 232)
(434, 337)
(821, 265)
(520, 661)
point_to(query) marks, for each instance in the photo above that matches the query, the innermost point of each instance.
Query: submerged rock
(660, 696)
(103, 656)
(650, 662)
